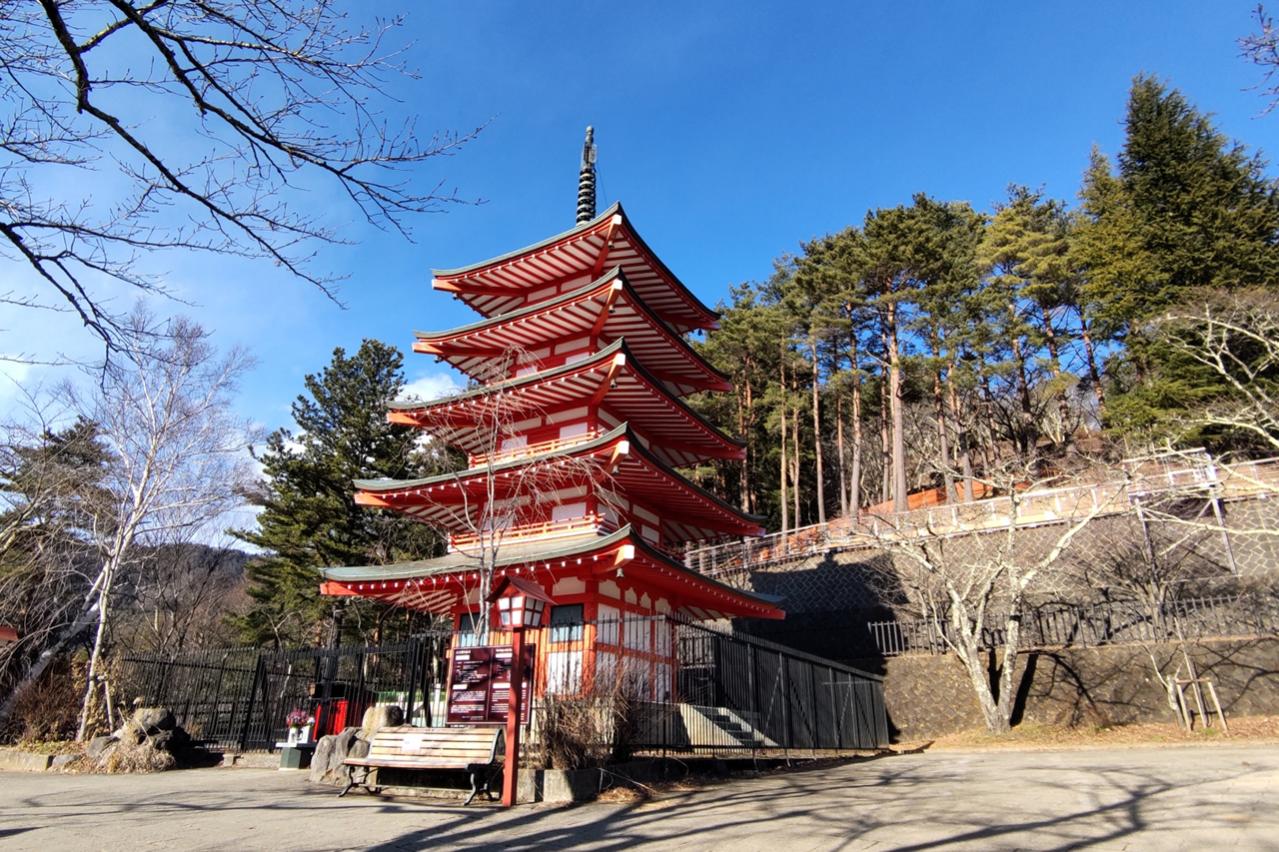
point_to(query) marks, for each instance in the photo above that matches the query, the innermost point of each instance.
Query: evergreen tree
(309, 518)
(1186, 209)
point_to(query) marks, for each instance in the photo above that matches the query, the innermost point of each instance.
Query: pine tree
(1186, 209)
(309, 518)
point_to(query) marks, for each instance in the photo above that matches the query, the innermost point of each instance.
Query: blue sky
(731, 131)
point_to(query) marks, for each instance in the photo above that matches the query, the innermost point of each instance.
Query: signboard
(480, 685)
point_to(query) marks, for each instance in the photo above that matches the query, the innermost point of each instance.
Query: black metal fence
(694, 688)
(741, 692)
(240, 698)
(1104, 623)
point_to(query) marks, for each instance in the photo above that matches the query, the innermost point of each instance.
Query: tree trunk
(784, 472)
(855, 484)
(743, 475)
(794, 457)
(1093, 373)
(819, 470)
(885, 443)
(896, 415)
(1054, 362)
(943, 439)
(961, 436)
(841, 454)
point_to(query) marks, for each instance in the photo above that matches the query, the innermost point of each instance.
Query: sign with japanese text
(480, 685)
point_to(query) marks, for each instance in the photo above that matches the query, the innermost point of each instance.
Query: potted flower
(295, 720)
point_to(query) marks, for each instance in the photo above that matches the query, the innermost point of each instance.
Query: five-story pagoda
(573, 430)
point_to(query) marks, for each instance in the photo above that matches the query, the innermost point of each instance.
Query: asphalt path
(1219, 797)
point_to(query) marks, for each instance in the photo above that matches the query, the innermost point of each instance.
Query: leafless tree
(974, 580)
(1235, 336)
(518, 482)
(1262, 49)
(176, 462)
(270, 99)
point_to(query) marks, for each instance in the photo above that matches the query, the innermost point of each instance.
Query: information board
(480, 685)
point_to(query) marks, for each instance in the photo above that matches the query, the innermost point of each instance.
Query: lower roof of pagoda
(616, 462)
(438, 585)
(611, 380)
(605, 310)
(505, 283)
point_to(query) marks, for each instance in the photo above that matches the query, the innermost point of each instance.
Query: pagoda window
(568, 511)
(638, 637)
(566, 622)
(574, 430)
(515, 442)
(466, 637)
(650, 534)
(564, 672)
(608, 618)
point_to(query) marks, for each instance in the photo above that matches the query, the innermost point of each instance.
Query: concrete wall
(928, 696)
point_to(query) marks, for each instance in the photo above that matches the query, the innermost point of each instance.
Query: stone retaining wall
(929, 696)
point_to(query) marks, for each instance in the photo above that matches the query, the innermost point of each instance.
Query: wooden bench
(476, 751)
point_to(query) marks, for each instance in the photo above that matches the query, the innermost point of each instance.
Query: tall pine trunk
(841, 454)
(885, 442)
(1054, 364)
(784, 472)
(1085, 334)
(819, 470)
(897, 415)
(855, 485)
(961, 436)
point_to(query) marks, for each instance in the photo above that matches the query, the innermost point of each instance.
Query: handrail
(523, 532)
(478, 459)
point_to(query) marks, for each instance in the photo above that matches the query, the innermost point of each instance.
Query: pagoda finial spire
(586, 180)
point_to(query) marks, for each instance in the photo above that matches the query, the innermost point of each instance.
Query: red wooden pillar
(510, 779)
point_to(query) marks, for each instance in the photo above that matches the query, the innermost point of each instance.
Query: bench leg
(351, 782)
(475, 788)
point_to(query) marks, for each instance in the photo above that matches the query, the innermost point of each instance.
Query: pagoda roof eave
(713, 379)
(615, 207)
(585, 447)
(710, 317)
(745, 524)
(705, 597)
(600, 359)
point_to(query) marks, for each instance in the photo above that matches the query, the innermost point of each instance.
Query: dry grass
(129, 759)
(50, 746)
(1032, 736)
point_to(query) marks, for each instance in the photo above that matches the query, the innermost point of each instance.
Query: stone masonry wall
(929, 696)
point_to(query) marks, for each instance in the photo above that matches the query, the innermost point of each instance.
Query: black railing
(239, 698)
(1103, 623)
(688, 687)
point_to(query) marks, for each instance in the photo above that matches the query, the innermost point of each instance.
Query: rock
(359, 748)
(62, 761)
(153, 720)
(98, 746)
(129, 733)
(381, 716)
(320, 760)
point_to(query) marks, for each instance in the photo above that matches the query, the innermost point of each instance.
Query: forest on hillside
(936, 346)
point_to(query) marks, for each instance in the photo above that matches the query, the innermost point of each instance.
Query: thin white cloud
(431, 386)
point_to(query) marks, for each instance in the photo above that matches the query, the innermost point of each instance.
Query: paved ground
(1166, 798)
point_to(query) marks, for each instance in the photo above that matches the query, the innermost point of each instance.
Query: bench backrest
(460, 746)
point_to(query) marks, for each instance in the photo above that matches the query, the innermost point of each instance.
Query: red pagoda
(574, 431)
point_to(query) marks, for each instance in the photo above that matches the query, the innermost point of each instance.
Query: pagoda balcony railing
(528, 450)
(530, 532)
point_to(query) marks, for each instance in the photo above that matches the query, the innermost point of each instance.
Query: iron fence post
(259, 676)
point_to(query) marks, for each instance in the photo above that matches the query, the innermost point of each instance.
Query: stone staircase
(734, 727)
